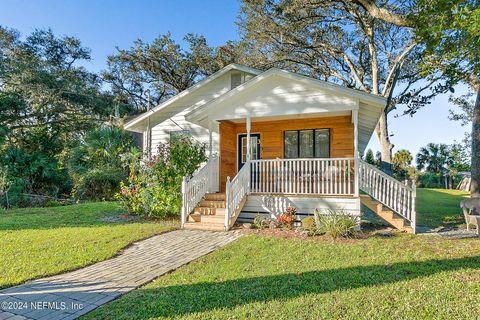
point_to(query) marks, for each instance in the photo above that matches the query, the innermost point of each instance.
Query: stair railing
(398, 196)
(235, 191)
(194, 188)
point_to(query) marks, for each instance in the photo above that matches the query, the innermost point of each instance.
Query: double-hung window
(310, 143)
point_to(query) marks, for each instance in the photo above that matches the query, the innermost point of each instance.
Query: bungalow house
(276, 139)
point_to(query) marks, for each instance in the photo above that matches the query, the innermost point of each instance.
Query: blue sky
(103, 25)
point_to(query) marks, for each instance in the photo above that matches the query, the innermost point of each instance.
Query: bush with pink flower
(154, 187)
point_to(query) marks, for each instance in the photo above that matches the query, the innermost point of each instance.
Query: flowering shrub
(288, 217)
(154, 187)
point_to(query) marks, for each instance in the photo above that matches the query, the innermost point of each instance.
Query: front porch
(285, 138)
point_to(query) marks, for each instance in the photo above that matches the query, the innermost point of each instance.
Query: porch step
(215, 196)
(213, 203)
(196, 217)
(386, 214)
(204, 226)
(209, 215)
(210, 211)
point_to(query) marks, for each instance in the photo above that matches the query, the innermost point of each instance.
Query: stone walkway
(70, 295)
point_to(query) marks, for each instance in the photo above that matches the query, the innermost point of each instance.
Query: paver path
(70, 295)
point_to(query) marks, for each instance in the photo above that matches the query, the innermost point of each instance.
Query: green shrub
(94, 163)
(436, 180)
(260, 222)
(335, 223)
(154, 188)
(308, 224)
(99, 183)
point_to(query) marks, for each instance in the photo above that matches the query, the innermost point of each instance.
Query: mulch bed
(296, 234)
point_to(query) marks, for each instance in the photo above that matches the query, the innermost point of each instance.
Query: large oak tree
(366, 45)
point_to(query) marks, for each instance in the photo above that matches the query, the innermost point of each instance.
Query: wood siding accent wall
(271, 139)
(228, 152)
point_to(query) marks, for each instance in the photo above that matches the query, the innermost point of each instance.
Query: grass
(258, 277)
(439, 207)
(36, 242)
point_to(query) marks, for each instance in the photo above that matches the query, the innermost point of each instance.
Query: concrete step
(213, 203)
(215, 196)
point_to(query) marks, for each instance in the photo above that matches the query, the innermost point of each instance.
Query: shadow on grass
(179, 300)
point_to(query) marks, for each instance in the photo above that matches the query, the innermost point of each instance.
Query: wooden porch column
(355, 151)
(248, 125)
(210, 156)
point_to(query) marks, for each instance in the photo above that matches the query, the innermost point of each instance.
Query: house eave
(202, 112)
(137, 124)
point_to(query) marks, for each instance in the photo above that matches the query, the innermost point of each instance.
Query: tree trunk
(385, 145)
(475, 186)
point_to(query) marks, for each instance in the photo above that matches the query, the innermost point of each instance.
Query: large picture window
(311, 143)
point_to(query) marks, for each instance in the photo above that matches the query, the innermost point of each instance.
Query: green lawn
(439, 207)
(402, 277)
(36, 242)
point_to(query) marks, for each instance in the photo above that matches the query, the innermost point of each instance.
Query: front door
(242, 148)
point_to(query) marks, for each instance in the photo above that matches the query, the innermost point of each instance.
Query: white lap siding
(274, 205)
(175, 114)
(161, 132)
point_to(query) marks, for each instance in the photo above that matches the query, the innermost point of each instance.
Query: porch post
(147, 140)
(210, 157)
(355, 151)
(248, 124)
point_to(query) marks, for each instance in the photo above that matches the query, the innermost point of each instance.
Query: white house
(276, 139)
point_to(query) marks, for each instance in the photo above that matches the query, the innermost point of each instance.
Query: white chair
(471, 212)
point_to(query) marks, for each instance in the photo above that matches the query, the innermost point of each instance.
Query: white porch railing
(332, 176)
(392, 193)
(194, 189)
(235, 192)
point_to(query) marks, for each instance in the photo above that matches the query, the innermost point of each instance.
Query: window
(175, 135)
(253, 148)
(291, 144)
(237, 78)
(312, 143)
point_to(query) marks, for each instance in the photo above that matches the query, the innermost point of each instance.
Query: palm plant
(437, 159)
(434, 158)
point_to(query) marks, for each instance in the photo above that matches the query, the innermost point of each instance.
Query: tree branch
(384, 14)
(398, 61)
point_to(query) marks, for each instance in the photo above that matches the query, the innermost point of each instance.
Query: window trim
(314, 144)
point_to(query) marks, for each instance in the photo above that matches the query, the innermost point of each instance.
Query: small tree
(434, 158)
(442, 161)
(369, 157)
(402, 160)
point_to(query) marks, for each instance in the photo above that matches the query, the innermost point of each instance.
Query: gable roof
(136, 123)
(369, 98)
(369, 106)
